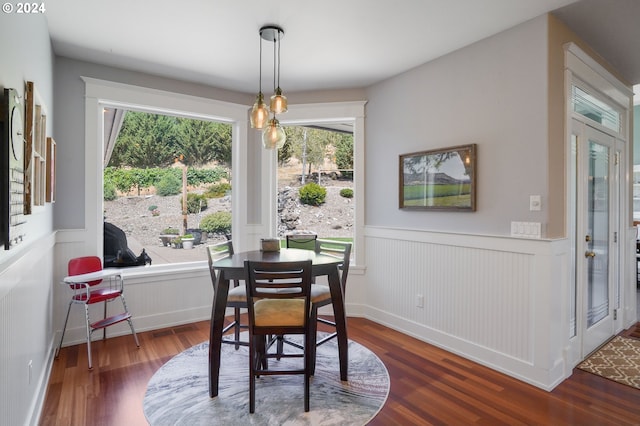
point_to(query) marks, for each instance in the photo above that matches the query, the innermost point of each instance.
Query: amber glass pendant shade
(259, 113)
(278, 102)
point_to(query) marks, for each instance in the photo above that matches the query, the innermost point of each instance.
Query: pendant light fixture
(259, 112)
(278, 103)
(273, 136)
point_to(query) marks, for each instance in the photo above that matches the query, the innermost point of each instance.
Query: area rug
(618, 360)
(633, 332)
(178, 393)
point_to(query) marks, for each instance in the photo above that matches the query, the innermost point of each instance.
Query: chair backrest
(85, 265)
(302, 240)
(216, 252)
(278, 280)
(338, 249)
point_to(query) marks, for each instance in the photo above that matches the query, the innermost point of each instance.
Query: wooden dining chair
(320, 293)
(237, 297)
(279, 303)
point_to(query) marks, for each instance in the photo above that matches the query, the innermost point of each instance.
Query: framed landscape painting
(441, 179)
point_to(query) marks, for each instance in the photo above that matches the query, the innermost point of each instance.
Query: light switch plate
(526, 229)
(535, 203)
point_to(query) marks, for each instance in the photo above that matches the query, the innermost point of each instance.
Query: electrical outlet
(419, 301)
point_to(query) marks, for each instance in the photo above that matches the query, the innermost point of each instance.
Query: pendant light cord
(279, 58)
(260, 73)
(274, 60)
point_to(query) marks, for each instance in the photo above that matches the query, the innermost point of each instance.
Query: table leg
(221, 291)
(340, 317)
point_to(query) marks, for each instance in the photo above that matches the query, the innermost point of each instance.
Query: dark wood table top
(284, 255)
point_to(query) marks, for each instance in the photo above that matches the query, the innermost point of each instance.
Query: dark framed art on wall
(439, 179)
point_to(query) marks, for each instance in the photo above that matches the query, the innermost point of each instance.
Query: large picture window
(167, 188)
(315, 183)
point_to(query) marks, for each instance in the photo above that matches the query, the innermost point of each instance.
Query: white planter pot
(187, 244)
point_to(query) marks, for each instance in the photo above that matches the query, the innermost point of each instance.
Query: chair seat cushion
(237, 294)
(279, 312)
(320, 293)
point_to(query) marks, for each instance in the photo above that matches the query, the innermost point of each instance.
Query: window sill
(183, 270)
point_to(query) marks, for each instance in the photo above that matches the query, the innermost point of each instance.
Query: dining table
(232, 268)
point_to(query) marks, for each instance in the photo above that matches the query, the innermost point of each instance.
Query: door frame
(582, 70)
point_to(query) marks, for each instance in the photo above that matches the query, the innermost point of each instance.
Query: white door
(596, 235)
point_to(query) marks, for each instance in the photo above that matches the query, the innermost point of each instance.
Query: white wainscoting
(497, 300)
(25, 332)
(155, 300)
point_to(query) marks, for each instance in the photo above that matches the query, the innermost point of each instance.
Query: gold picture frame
(29, 94)
(50, 180)
(37, 185)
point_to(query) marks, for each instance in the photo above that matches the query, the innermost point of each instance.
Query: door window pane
(594, 109)
(598, 233)
(573, 193)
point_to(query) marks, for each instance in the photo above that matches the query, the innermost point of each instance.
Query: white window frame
(102, 93)
(307, 114)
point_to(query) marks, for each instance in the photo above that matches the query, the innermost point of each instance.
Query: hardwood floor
(428, 385)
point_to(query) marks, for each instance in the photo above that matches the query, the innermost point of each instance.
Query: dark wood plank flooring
(429, 386)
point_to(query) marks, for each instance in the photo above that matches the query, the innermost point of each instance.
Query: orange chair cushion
(279, 312)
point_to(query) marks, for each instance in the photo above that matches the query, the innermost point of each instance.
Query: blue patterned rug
(178, 393)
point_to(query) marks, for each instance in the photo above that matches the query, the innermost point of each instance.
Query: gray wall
(28, 59)
(491, 94)
(26, 271)
(26, 54)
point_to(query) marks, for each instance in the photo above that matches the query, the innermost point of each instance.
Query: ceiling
(332, 44)
(611, 28)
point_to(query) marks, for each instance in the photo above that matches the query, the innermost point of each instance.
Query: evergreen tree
(344, 152)
(285, 153)
(204, 141)
(145, 140)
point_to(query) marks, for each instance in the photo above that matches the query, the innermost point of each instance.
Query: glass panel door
(597, 238)
(595, 250)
